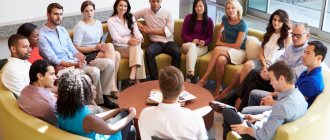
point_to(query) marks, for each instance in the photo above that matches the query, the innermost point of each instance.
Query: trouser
(254, 102)
(230, 117)
(134, 54)
(128, 132)
(192, 51)
(252, 81)
(102, 73)
(156, 48)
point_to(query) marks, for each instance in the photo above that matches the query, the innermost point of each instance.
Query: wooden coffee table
(136, 95)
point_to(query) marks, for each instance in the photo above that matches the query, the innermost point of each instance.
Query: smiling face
(199, 8)
(121, 7)
(277, 23)
(231, 10)
(89, 12)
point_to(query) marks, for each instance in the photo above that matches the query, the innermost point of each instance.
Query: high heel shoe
(131, 81)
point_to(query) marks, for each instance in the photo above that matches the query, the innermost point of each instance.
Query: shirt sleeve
(136, 30)
(139, 14)
(71, 47)
(11, 80)
(78, 34)
(202, 135)
(169, 28)
(276, 119)
(209, 31)
(114, 33)
(243, 26)
(145, 135)
(185, 30)
(47, 51)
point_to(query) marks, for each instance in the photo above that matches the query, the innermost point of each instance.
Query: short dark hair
(170, 82)
(39, 66)
(85, 4)
(52, 6)
(13, 39)
(319, 48)
(26, 29)
(281, 68)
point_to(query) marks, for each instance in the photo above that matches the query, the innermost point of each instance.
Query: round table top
(136, 96)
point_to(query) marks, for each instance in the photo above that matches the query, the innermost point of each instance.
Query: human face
(299, 36)
(231, 10)
(199, 8)
(55, 16)
(33, 38)
(309, 58)
(121, 8)
(274, 82)
(88, 12)
(47, 81)
(155, 4)
(277, 23)
(22, 50)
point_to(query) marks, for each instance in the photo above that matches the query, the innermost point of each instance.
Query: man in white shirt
(15, 73)
(160, 27)
(169, 120)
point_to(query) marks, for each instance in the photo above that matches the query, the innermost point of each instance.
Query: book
(156, 97)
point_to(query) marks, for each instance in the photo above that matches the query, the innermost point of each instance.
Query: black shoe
(108, 104)
(191, 78)
(218, 106)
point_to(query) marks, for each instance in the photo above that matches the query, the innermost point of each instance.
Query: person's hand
(267, 101)
(132, 111)
(82, 63)
(201, 43)
(133, 41)
(219, 43)
(250, 118)
(195, 41)
(264, 74)
(92, 63)
(99, 46)
(240, 128)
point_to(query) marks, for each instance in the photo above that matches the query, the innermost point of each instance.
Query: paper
(157, 96)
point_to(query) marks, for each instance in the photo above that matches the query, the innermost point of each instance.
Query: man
(160, 28)
(36, 99)
(57, 47)
(310, 82)
(291, 105)
(292, 56)
(169, 120)
(15, 73)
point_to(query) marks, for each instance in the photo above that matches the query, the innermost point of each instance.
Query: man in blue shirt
(57, 47)
(291, 105)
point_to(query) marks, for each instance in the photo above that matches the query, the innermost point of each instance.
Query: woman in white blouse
(127, 39)
(276, 39)
(87, 37)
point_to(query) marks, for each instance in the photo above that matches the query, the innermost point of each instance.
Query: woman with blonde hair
(230, 44)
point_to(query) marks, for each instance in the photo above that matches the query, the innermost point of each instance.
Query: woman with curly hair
(127, 38)
(74, 115)
(276, 39)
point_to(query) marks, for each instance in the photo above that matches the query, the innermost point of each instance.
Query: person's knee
(248, 65)
(222, 60)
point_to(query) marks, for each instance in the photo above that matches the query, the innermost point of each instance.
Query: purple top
(198, 31)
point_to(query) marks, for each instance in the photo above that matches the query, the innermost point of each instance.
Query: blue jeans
(156, 48)
(254, 102)
(128, 132)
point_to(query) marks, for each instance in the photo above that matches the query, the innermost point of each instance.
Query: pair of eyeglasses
(297, 35)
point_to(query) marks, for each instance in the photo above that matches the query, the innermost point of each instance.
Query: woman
(276, 39)
(231, 39)
(86, 37)
(127, 39)
(30, 31)
(197, 32)
(74, 116)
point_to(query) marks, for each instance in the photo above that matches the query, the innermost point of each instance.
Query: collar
(299, 49)
(157, 10)
(286, 93)
(48, 29)
(169, 106)
(315, 70)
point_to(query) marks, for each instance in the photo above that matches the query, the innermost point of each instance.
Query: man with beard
(57, 47)
(15, 73)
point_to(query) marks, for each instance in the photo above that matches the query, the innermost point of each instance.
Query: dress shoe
(218, 106)
(114, 94)
(108, 104)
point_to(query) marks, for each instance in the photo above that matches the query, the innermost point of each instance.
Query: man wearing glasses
(292, 56)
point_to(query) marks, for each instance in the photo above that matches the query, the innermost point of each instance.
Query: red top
(34, 54)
